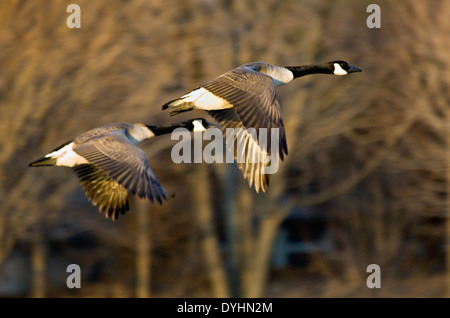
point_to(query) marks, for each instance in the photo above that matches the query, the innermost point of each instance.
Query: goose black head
(197, 124)
(342, 68)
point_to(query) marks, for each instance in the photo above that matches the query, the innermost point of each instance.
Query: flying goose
(109, 164)
(245, 98)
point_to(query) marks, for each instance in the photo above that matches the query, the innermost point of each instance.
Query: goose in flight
(109, 164)
(245, 98)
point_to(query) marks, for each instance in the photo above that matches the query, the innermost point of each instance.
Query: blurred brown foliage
(367, 152)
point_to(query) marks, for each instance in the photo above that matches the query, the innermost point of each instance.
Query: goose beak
(210, 124)
(353, 69)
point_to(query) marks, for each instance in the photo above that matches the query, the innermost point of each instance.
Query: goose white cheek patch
(198, 126)
(338, 70)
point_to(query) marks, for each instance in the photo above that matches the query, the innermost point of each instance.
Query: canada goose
(108, 163)
(245, 98)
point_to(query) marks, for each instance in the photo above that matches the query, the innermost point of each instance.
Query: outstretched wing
(255, 106)
(249, 157)
(253, 97)
(103, 191)
(124, 162)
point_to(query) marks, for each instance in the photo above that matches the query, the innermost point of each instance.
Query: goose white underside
(201, 98)
(65, 156)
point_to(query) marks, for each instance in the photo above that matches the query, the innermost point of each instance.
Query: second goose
(245, 98)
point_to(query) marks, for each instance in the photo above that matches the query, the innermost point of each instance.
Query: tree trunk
(209, 241)
(143, 248)
(267, 231)
(38, 261)
(447, 232)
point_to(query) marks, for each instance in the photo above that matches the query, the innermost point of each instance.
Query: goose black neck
(162, 130)
(303, 70)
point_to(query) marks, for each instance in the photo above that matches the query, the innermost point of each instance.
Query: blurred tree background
(366, 180)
